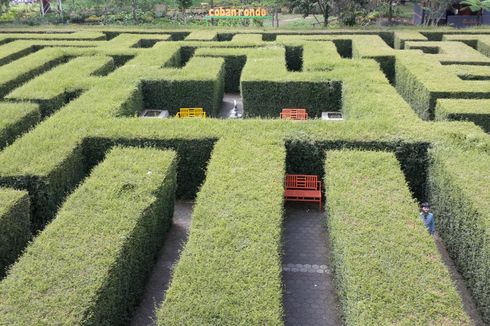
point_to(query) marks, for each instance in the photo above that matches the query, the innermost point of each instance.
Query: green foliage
(229, 272)
(16, 73)
(184, 4)
(70, 78)
(477, 5)
(457, 181)
(4, 5)
(100, 246)
(14, 226)
(387, 267)
(475, 111)
(16, 118)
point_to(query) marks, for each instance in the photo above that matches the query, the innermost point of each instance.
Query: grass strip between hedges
(387, 267)
(89, 265)
(14, 225)
(229, 272)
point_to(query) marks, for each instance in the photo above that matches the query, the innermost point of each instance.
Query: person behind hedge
(428, 218)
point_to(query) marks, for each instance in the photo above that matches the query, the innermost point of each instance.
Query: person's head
(425, 207)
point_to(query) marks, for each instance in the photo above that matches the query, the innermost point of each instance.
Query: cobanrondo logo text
(237, 12)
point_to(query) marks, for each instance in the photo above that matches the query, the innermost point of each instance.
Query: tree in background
(4, 6)
(183, 5)
(308, 7)
(435, 10)
(134, 7)
(477, 5)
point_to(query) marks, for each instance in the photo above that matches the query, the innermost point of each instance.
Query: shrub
(16, 73)
(55, 87)
(16, 118)
(475, 111)
(100, 246)
(457, 182)
(387, 267)
(14, 226)
(230, 269)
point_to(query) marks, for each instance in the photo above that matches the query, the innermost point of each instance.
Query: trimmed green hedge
(255, 38)
(476, 111)
(16, 118)
(402, 36)
(267, 87)
(53, 88)
(458, 182)
(14, 226)
(184, 88)
(16, 73)
(89, 265)
(202, 35)
(374, 47)
(423, 78)
(238, 212)
(387, 267)
(78, 35)
(229, 272)
(193, 156)
(306, 156)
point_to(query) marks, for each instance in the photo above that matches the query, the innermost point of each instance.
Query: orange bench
(301, 187)
(294, 114)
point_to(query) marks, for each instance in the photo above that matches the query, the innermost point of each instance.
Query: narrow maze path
(465, 294)
(159, 279)
(309, 296)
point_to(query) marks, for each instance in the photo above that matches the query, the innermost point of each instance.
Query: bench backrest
(302, 181)
(191, 113)
(294, 114)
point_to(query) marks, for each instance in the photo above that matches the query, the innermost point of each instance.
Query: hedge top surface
(452, 106)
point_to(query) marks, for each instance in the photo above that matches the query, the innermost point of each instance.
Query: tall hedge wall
(387, 267)
(229, 272)
(458, 183)
(187, 90)
(16, 118)
(89, 265)
(14, 226)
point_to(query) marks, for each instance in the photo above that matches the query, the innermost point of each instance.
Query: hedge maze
(87, 186)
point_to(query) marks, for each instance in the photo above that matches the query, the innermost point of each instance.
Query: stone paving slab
(310, 297)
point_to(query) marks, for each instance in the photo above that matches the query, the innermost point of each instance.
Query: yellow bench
(191, 113)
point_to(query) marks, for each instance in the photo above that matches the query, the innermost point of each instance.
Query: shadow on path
(159, 279)
(309, 297)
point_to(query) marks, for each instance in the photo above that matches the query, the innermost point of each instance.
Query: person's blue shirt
(429, 222)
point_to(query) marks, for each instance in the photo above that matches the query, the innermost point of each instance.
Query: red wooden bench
(301, 187)
(294, 114)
